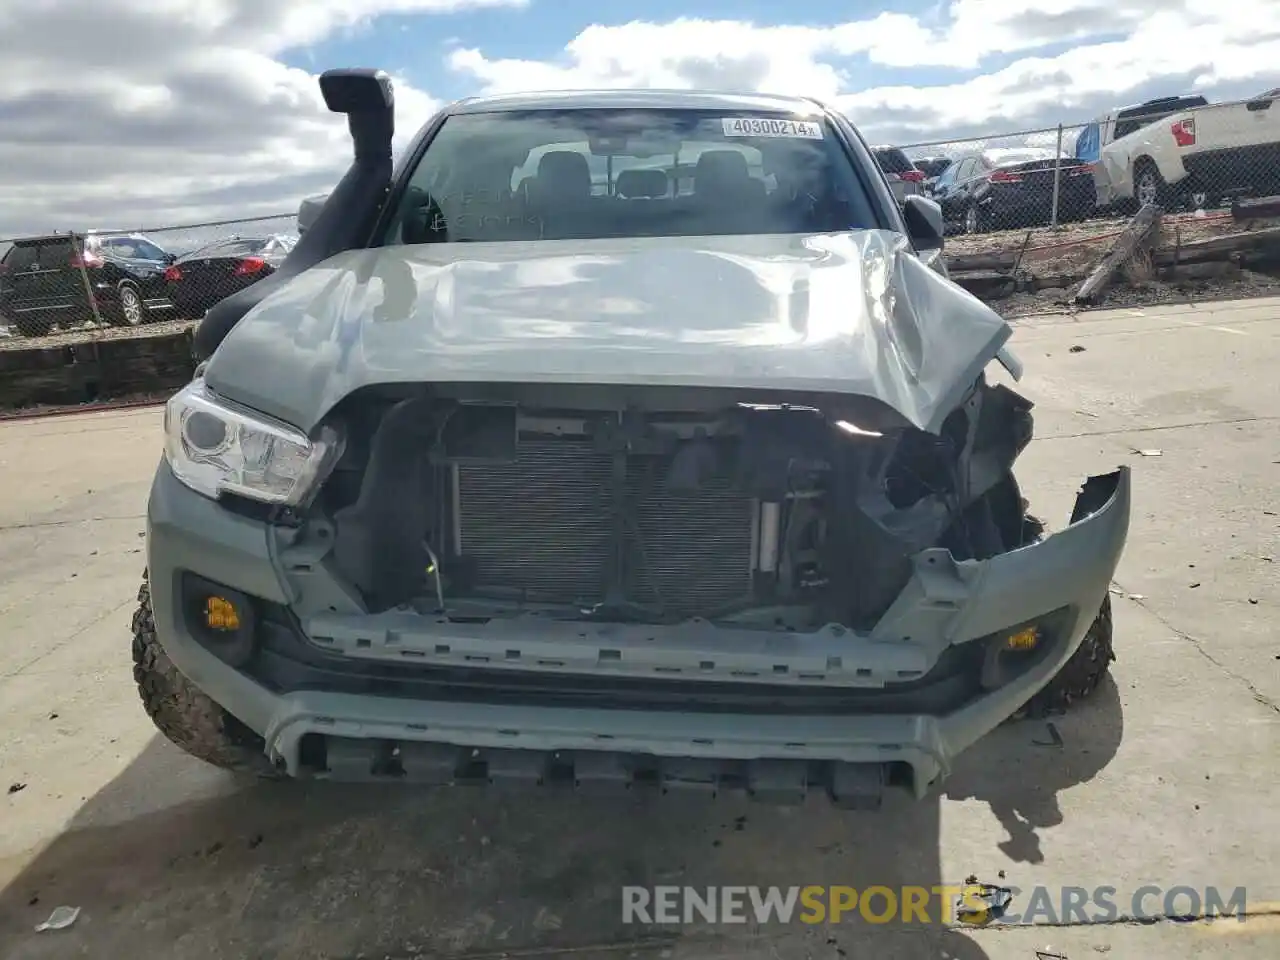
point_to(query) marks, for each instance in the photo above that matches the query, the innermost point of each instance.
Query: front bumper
(946, 603)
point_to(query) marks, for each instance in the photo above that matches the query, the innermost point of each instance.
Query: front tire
(1085, 670)
(130, 312)
(1083, 673)
(180, 711)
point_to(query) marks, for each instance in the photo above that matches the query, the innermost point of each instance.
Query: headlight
(215, 447)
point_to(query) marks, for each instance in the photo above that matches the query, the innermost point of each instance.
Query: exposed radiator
(543, 524)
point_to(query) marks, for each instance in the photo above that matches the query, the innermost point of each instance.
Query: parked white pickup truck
(1178, 150)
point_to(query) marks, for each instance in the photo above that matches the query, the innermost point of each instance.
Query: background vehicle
(904, 179)
(502, 474)
(48, 282)
(1184, 150)
(1013, 188)
(308, 210)
(198, 280)
(932, 166)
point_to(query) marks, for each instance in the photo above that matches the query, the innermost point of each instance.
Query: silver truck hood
(848, 313)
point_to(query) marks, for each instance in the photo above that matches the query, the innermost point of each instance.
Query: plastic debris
(60, 919)
(981, 903)
(1149, 453)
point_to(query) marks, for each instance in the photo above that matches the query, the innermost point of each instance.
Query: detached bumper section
(774, 713)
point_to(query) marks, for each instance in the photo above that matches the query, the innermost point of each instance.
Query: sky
(123, 113)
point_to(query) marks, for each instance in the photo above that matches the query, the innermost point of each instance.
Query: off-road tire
(1083, 673)
(180, 711)
(1085, 670)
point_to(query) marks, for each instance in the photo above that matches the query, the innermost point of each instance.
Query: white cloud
(135, 112)
(145, 111)
(1169, 45)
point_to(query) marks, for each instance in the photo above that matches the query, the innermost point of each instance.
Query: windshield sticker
(771, 127)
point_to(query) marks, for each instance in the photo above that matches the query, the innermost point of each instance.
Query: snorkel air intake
(347, 216)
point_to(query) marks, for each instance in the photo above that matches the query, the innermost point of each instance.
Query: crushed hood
(849, 314)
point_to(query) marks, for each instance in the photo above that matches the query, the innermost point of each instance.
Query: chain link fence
(1179, 153)
(133, 278)
(1057, 196)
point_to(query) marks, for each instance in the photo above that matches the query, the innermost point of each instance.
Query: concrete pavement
(1168, 777)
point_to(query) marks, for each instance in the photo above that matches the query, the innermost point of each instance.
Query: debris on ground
(1055, 738)
(1134, 242)
(1076, 348)
(981, 903)
(16, 788)
(60, 919)
(1149, 453)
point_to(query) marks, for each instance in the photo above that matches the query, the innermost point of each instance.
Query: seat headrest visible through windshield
(649, 184)
(721, 173)
(565, 174)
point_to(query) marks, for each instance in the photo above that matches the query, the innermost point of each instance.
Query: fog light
(221, 614)
(1023, 640)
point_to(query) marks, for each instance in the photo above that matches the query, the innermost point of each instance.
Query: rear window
(47, 252)
(133, 248)
(21, 257)
(233, 248)
(933, 166)
(893, 160)
(587, 174)
(1135, 118)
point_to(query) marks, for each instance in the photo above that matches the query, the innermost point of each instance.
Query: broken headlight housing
(216, 447)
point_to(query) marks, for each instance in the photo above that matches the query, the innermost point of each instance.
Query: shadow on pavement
(283, 870)
(1021, 767)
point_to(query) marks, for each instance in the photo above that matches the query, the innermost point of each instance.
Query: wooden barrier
(94, 370)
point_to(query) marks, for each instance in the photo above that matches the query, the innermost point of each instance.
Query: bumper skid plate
(356, 759)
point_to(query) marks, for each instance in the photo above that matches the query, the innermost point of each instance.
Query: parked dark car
(904, 179)
(57, 281)
(206, 276)
(981, 192)
(932, 167)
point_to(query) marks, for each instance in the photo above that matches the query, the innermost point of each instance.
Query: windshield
(587, 174)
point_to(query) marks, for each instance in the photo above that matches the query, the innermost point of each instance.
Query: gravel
(90, 334)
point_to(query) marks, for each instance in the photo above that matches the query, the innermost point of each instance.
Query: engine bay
(495, 502)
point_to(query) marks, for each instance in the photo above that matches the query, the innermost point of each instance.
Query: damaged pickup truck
(633, 438)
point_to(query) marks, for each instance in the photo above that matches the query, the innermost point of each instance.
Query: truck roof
(1163, 105)
(637, 99)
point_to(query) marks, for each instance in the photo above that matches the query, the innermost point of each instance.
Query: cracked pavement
(1167, 777)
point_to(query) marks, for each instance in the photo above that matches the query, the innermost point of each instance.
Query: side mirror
(308, 210)
(170, 258)
(925, 225)
(367, 98)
